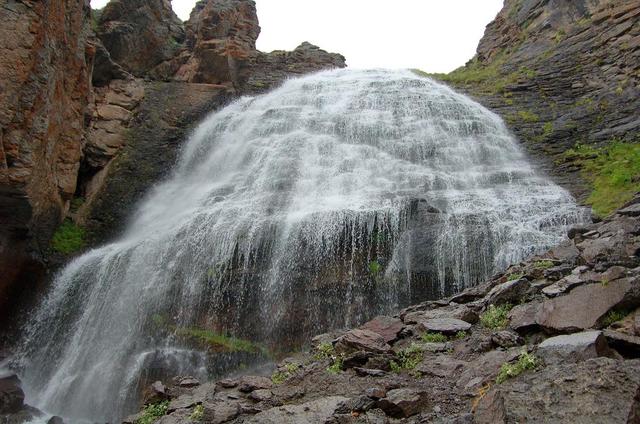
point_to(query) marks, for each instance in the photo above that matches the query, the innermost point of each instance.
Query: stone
(140, 34)
(312, 412)
(509, 292)
(55, 420)
(461, 312)
(357, 404)
(582, 307)
(188, 382)
(385, 326)
(557, 272)
(625, 344)
(444, 325)
(157, 392)
(600, 390)
(484, 369)
(261, 395)
(573, 347)
(403, 403)
(218, 412)
(376, 393)
(632, 210)
(369, 372)
(364, 340)
(228, 383)
(506, 339)
(250, 383)
(11, 395)
(443, 366)
(523, 318)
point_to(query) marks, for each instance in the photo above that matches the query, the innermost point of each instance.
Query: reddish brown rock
(386, 327)
(364, 340)
(45, 63)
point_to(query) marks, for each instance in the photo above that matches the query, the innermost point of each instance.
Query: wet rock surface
(535, 366)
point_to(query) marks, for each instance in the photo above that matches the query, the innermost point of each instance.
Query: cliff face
(73, 98)
(561, 73)
(45, 63)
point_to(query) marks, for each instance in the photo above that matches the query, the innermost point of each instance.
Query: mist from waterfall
(336, 197)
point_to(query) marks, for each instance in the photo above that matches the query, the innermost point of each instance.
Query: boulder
(596, 391)
(261, 395)
(55, 420)
(385, 326)
(574, 347)
(461, 312)
(444, 325)
(228, 383)
(313, 412)
(11, 395)
(364, 340)
(627, 345)
(250, 383)
(583, 307)
(403, 403)
(376, 393)
(188, 381)
(506, 338)
(509, 292)
(524, 318)
(219, 411)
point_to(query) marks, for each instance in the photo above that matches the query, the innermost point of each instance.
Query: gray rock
(461, 312)
(11, 395)
(403, 403)
(364, 340)
(557, 272)
(313, 412)
(595, 391)
(632, 210)
(55, 420)
(261, 395)
(188, 382)
(506, 338)
(228, 383)
(217, 411)
(385, 326)
(376, 392)
(523, 318)
(369, 371)
(249, 383)
(509, 292)
(574, 347)
(444, 325)
(625, 344)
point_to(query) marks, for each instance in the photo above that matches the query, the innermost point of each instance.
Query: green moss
(152, 412)
(218, 341)
(68, 238)
(407, 359)
(528, 116)
(495, 317)
(324, 351)
(336, 365)
(544, 264)
(197, 414)
(613, 172)
(526, 361)
(434, 338)
(280, 377)
(515, 276)
(374, 268)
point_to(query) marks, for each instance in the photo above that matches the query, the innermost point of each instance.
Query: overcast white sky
(433, 35)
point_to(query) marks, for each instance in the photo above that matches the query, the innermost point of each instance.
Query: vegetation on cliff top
(613, 172)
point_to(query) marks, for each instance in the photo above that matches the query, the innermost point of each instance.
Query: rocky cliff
(94, 106)
(563, 74)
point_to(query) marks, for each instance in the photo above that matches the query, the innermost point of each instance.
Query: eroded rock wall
(45, 63)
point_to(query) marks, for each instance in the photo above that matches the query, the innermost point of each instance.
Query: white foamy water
(335, 197)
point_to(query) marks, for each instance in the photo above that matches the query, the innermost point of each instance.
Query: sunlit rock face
(335, 197)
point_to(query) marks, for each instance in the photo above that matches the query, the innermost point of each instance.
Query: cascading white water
(335, 197)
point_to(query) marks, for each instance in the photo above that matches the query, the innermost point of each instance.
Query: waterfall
(337, 196)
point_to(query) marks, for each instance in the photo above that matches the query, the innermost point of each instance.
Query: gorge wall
(95, 103)
(563, 74)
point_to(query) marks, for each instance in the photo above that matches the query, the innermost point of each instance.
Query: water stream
(333, 198)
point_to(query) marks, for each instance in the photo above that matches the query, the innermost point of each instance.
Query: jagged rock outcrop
(140, 34)
(493, 370)
(45, 89)
(561, 73)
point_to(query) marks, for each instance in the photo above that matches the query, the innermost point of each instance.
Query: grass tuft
(495, 317)
(434, 338)
(152, 412)
(526, 361)
(68, 238)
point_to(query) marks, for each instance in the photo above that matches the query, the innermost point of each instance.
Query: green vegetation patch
(374, 268)
(434, 338)
(407, 359)
(289, 370)
(613, 172)
(68, 238)
(198, 413)
(515, 276)
(543, 264)
(218, 341)
(495, 317)
(614, 316)
(152, 412)
(526, 361)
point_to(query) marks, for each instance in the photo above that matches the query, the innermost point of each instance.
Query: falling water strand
(335, 197)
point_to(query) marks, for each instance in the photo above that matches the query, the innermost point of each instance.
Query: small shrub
(336, 366)
(544, 264)
(197, 414)
(515, 276)
(434, 338)
(324, 351)
(152, 412)
(614, 316)
(408, 359)
(526, 361)
(68, 238)
(279, 377)
(495, 317)
(374, 268)
(461, 335)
